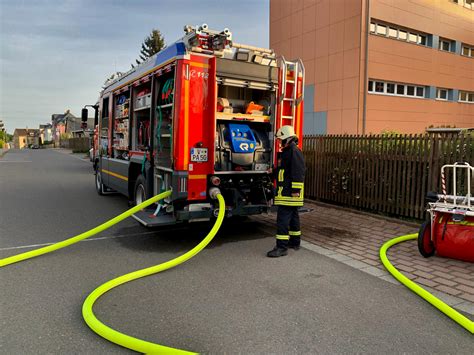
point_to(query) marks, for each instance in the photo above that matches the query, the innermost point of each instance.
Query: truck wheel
(140, 190)
(425, 244)
(99, 186)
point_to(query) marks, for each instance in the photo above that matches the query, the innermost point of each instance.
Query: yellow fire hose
(89, 317)
(443, 307)
(148, 347)
(85, 235)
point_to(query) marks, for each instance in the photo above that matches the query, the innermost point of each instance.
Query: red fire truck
(201, 113)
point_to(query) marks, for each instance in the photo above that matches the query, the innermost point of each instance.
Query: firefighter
(289, 193)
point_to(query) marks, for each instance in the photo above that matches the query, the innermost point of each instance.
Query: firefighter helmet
(285, 132)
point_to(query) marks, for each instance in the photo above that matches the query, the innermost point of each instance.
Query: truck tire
(425, 244)
(99, 186)
(139, 192)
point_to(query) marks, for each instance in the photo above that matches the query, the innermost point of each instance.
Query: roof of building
(20, 132)
(26, 131)
(61, 117)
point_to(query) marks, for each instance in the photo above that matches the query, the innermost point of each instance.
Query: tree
(151, 45)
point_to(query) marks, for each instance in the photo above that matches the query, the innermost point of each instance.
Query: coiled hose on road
(87, 312)
(443, 307)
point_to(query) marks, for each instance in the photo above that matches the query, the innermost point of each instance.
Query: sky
(55, 55)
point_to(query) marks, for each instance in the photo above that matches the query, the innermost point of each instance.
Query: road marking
(84, 240)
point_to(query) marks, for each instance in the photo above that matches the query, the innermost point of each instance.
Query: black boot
(277, 251)
(294, 242)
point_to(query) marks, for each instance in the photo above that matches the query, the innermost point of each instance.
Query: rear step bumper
(148, 219)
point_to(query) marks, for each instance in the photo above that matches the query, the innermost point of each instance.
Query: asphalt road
(228, 299)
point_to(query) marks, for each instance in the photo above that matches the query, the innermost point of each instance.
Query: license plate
(199, 154)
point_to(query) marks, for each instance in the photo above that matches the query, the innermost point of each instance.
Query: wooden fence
(80, 144)
(387, 174)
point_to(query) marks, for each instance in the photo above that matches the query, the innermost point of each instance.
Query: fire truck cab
(199, 114)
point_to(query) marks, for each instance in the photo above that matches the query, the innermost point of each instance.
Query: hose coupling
(213, 192)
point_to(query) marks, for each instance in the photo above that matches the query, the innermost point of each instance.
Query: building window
(390, 88)
(402, 35)
(445, 45)
(379, 86)
(420, 91)
(466, 96)
(412, 37)
(467, 51)
(395, 32)
(396, 89)
(381, 29)
(441, 94)
(400, 89)
(422, 40)
(468, 4)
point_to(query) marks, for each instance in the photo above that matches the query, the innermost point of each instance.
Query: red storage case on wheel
(454, 239)
(450, 230)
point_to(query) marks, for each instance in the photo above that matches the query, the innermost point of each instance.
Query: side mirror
(84, 114)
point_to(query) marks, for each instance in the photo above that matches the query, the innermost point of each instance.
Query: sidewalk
(3, 152)
(355, 238)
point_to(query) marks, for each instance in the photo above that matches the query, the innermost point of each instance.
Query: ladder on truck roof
(289, 99)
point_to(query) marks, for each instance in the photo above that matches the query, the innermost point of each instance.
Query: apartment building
(380, 65)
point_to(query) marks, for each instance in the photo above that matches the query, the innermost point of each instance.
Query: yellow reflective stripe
(297, 185)
(282, 237)
(295, 234)
(463, 223)
(111, 173)
(281, 173)
(290, 198)
(280, 189)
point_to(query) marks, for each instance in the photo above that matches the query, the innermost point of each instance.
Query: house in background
(26, 137)
(75, 127)
(19, 138)
(46, 132)
(59, 123)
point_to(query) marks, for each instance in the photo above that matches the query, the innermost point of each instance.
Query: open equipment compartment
(245, 121)
(120, 127)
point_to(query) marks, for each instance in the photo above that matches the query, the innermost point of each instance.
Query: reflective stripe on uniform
(297, 185)
(295, 234)
(282, 237)
(281, 173)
